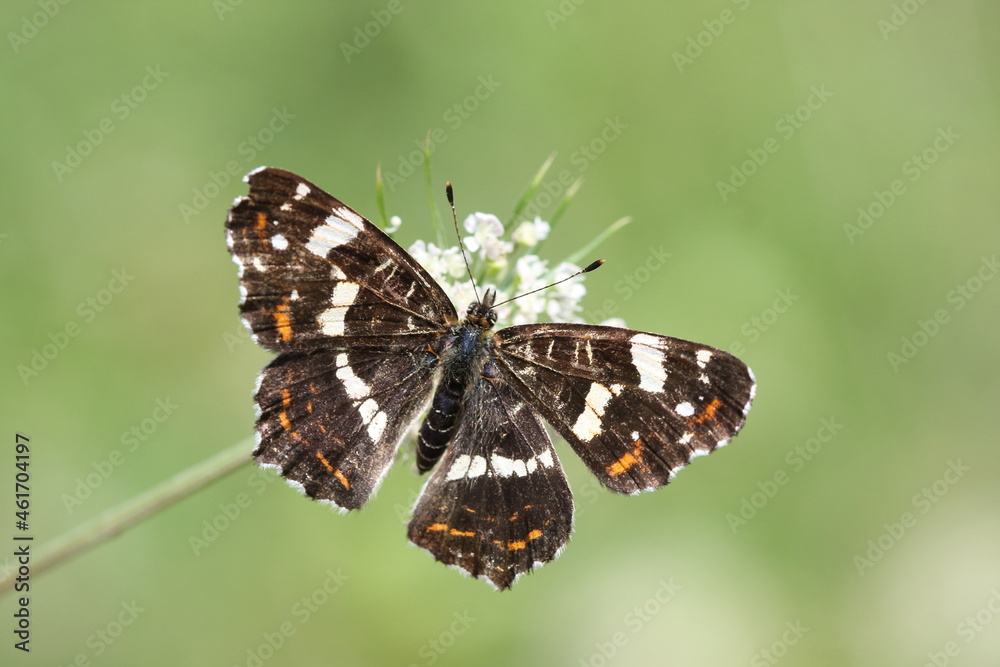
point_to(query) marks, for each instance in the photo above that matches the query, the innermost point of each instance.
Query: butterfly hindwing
(331, 420)
(497, 504)
(312, 270)
(635, 406)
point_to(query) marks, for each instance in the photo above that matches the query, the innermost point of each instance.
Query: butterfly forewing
(313, 271)
(497, 504)
(635, 406)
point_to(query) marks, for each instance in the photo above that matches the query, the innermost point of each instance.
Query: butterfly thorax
(463, 361)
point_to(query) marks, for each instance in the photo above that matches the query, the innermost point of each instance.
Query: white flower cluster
(508, 265)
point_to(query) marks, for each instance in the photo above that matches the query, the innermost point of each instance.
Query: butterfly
(367, 341)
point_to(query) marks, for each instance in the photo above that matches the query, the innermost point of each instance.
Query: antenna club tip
(592, 266)
(450, 192)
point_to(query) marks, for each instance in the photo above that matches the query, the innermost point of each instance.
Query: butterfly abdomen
(461, 361)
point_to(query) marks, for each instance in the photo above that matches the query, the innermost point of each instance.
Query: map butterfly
(367, 340)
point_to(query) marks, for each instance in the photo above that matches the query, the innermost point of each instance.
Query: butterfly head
(481, 313)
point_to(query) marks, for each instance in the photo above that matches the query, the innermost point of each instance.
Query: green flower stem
(118, 519)
(531, 190)
(431, 201)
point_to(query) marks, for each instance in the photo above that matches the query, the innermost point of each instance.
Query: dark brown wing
(312, 270)
(497, 505)
(635, 406)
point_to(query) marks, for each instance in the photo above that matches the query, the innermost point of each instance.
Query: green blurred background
(854, 522)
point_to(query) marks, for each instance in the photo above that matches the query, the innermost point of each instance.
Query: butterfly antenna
(590, 267)
(454, 218)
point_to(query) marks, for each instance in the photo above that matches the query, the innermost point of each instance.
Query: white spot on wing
(704, 356)
(502, 465)
(368, 410)
(331, 320)
(355, 387)
(259, 265)
(648, 358)
(301, 190)
(545, 458)
(279, 242)
(343, 294)
(246, 179)
(350, 216)
(477, 467)
(684, 409)
(333, 505)
(753, 392)
(459, 468)
(334, 233)
(686, 438)
(377, 426)
(588, 424)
